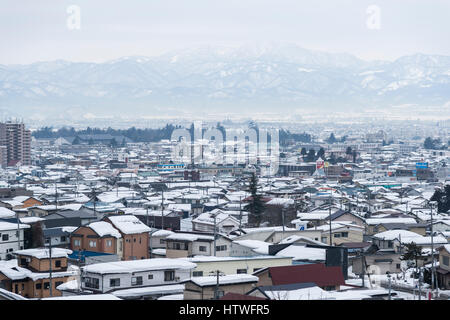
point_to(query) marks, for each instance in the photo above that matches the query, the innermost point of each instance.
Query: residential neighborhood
(127, 222)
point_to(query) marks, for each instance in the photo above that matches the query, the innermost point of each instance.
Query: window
(92, 244)
(134, 239)
(390, 244)
(46, 285)
(397, 265)
(77, 242)
(5, 237)
(344, 234)
(238, 271)
(161, 241)
(169, 275)
(150, 277)
(58, 263)
(63, 238)
(58, 283)
(38, 286)
(109, 243)
(445, 260)
(91, 283)
(337, 235)
(197, 274)
(202, 248)
(221, 248)
(140, 240)
(136, 281)
(114, 282)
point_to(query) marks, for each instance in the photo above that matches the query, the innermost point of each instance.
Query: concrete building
(17, 141)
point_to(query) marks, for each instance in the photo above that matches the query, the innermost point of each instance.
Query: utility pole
(56, 196)
(162, 208)
(282, 218)
(50, 269)
(389, 278)
(18, 231)
(240, 212)
(215, 235)
(433, 269)
(329, 211)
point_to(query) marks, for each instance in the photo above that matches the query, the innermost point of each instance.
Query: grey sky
(33, 30)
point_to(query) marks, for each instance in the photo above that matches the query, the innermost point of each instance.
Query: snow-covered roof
(303, 253)
(42, 253)
(154, 290)
(189, 237)
(6, 213)
(138, 265)
(4, 226)
(128, 224)
(103, 228)
(257, 246)
(375, 221)
(105, 296)
(224, 280)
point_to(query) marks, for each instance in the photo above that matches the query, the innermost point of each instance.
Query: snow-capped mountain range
(215, 79)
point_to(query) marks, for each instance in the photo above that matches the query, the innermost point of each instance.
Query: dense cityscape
(348, 214)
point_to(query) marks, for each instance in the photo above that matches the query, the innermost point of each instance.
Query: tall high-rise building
(18, 143)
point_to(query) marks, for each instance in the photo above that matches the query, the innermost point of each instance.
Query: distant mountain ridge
(214, 79)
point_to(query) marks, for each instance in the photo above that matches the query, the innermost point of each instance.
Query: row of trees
(136, 135)
(311, 155)
(430, 143)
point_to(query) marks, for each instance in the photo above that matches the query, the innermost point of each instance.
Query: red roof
(238, 296)
(317, 273)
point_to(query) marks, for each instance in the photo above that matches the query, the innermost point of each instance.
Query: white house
(119, 275)
(8, 238)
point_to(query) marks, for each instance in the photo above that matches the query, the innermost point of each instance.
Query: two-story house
(98, 236)
(10, 241)
(120, 275)
(30, 275)
(135, 236)
(443, 270)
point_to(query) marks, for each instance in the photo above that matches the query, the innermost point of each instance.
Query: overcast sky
(33, 30)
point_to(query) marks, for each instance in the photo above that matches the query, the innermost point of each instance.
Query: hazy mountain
(264, 78)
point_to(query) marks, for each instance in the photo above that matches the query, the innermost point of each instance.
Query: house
(235, 265)
(9, 240)
(184, 244)
(30, 275)
(342, 215)
(135, 236)
(341, 232)
(206, 288)
(327, 278)
(223, 222)
(443, 270)
(134, 274)
(98, 236)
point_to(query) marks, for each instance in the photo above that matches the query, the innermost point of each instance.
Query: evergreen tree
(413, 253)
(348, 151)
(311, 155)
(256, 206)
(321, 153)
(443, 199)
(303, 152)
